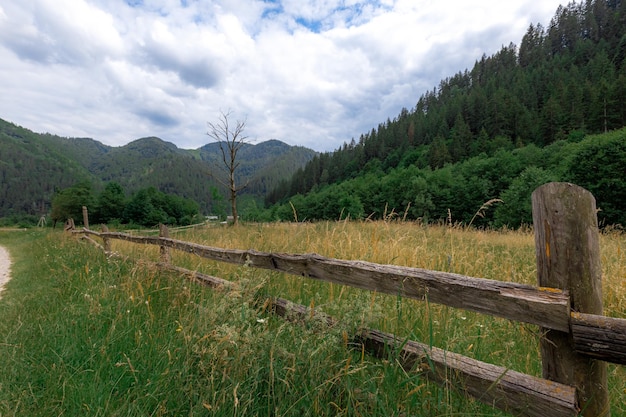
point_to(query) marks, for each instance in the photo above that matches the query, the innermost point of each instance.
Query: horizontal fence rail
(524, 303)
(597, 336)
(508, 390)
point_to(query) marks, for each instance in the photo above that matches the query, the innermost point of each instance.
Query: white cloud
(70, 32)
(314, 73)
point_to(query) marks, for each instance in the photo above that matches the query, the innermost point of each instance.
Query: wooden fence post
(69, 225)
(85, 218)
(164, 250)
(106, 242)
(568, 257)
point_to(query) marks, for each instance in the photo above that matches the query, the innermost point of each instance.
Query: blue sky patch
(313, 25)
(272, 8)
(134, 3)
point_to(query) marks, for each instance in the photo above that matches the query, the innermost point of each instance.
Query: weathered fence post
(164, 250)
(85, 218)
(69, 225)
(106, 242)
(568, 257)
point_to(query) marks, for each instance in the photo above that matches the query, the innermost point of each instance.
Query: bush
(599, 166)
(516, 208)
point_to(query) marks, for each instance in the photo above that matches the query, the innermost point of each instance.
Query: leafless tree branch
(231, 140)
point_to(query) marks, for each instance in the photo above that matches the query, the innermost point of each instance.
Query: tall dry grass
(500, 255)
(83, 334)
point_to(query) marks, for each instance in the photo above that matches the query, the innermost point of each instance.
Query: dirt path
(5, 268)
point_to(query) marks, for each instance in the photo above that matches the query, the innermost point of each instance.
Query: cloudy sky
(314, 73)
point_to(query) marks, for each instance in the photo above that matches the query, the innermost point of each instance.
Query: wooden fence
(567, 305)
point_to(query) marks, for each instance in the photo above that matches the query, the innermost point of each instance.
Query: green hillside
(471, 138)
(262, 166)
(33, 166)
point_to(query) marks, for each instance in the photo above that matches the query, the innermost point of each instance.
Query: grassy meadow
(85, 335)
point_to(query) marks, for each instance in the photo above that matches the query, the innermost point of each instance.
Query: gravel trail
(5, 268)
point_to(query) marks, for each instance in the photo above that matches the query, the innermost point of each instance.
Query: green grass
(85, 335)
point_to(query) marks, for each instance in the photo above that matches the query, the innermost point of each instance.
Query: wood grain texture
(511, 391)
(204, 279)
(568, 257)
(600, 337)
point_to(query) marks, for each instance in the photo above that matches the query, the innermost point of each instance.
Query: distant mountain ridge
(33, 166)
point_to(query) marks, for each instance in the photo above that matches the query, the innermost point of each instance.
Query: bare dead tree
(231, 140)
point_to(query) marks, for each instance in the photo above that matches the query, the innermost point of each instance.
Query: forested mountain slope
(565, 81)
(33, 166)
(263, 165)
(485, 190)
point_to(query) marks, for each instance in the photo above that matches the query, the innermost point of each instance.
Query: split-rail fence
(577, 340)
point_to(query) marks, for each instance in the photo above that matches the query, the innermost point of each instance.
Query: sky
(313, 73)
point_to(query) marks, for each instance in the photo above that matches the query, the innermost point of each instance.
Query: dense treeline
(147, 207)
(562, 83)
(457, 192)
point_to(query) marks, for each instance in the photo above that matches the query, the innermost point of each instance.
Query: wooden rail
(598, 336)
(576, 334)
(508, 390)
(511, 391)
(546, 307)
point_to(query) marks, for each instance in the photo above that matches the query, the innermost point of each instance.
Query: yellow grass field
(500, 255)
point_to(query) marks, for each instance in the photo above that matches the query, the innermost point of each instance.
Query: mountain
(33, 166)
(263, 165)
(566, 81)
